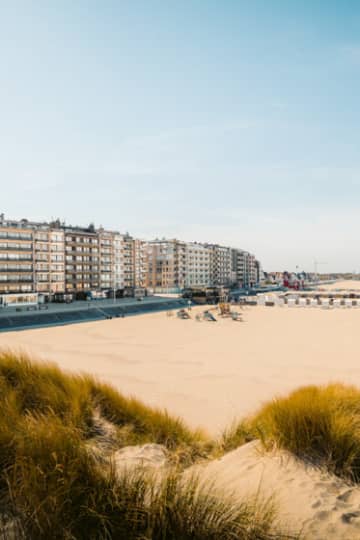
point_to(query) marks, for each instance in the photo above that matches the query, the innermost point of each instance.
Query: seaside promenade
(54, 314)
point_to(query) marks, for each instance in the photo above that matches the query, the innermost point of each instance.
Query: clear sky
(235, 121)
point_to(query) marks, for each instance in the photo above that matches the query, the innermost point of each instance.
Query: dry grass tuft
(316, 423)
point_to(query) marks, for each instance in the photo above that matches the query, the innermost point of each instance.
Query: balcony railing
(14, 236)
(15, 247)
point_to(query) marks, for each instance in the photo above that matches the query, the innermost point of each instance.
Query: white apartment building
(197, 266)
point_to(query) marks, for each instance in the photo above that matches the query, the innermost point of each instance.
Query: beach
(209, 373)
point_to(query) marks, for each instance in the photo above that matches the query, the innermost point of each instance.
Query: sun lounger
(208, 316)
(182, 314)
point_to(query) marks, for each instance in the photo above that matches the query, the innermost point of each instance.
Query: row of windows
(81, 258)
(20, 267)
(15, 235)
(81, 249)
(13, 245)
(80, 268)
(15, 257)
(16, 277)
(82, 239)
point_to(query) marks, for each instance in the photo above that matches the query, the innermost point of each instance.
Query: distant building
(166, 261)
(220, 265)
(49, 258)
(244, 268)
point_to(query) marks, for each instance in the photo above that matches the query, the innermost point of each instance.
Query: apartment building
(49, 259)
(82, 259)
(197, 273)
(140, 263)
(220, 265)
(106, 259)
(166, 260)
(244, 268)
(130, 262)
(16, 256)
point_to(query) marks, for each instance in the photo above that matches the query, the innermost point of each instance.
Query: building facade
(16, 256)
(244, 268)
(82, 259)
(197, 266)
(220, 266)
(51, 258)
(166, 265)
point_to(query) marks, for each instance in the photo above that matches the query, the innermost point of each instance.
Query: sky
(234, 122)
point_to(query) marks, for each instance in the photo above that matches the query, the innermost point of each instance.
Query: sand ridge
(308, 499)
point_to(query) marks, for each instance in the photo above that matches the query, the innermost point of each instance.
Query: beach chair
(325, 303)
(291, 302)
(302, 302)
(337, 302)
(208, 316)
(182, 314)
(348, 302)
(314, 302)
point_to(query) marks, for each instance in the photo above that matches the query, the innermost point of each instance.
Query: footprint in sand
(316, 504)
(348, 496)
(351, 517)
(289, 480)
(322, 515)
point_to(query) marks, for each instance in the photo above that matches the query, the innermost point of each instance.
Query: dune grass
(30, 387)
(316, 423)
(52, 486)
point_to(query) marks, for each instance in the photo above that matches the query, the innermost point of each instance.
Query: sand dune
(322, 506)
(210, 373)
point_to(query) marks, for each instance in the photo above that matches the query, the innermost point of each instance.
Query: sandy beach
(208, 373)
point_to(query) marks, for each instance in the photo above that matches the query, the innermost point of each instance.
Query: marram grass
(316, 423)
(53, 487)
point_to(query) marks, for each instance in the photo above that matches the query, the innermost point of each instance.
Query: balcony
(15, 247)
(26, 269)
(14, 236)
(19, 258)
(15, 279)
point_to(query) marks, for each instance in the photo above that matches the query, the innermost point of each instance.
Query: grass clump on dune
(44, 389)
(316, 423)
(53, 486)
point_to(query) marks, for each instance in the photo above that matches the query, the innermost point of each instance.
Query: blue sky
(233, 121)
